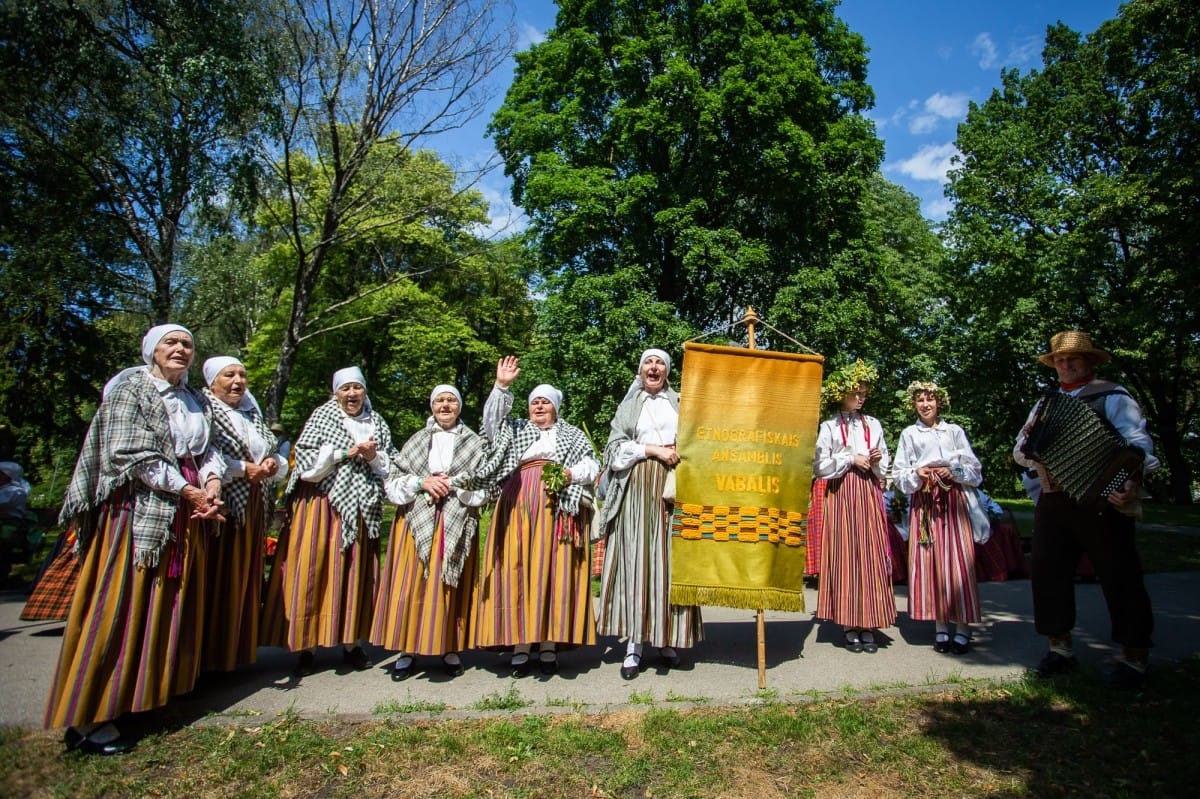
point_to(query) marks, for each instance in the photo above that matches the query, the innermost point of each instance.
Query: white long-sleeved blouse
(943, 444)
(842, 437)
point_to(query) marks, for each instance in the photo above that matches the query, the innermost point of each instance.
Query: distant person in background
(322, 585)
(143, 499)
(427, 590)
(235, 558)
(936, 467)
(534, 581)
(855, 584)
(14, 527)
(635, 583)
(1063, 529)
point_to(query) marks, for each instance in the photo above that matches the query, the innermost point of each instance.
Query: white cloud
(1026, 51)
(506, 218)
(984, 49)
(937, 107)
(936, 209)
(930, 163)
(528, 35)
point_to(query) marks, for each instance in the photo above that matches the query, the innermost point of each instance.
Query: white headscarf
(149, 343)
(547, 391)
(444, 388)
(217, 364)
(351, 374)
(637, 383)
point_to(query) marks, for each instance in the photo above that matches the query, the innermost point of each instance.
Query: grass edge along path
(1024, 738)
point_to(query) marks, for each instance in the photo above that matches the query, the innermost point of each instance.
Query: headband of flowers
(845, 380)
(918, 387)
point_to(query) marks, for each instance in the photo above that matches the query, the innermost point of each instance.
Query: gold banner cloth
(747, 432)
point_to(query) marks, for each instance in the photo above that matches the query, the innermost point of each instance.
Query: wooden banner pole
(760, 615)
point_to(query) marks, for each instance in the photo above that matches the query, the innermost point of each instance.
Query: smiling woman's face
(351, 397)
(542, 413)
(445, 410)
(173, 356)
(654, 374)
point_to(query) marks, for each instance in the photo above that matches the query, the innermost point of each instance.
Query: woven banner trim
(733, 523)
(751, 598)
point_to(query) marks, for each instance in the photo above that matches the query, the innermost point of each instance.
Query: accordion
(1080, 449)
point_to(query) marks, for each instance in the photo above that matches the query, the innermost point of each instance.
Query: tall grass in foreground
(1070, 738)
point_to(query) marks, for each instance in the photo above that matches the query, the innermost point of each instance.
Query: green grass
(394, 707)
(980, 739)
(509, 700)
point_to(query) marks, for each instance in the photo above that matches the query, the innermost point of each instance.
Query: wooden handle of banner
(762, 649)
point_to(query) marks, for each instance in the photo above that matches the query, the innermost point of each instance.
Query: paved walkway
(801, 658)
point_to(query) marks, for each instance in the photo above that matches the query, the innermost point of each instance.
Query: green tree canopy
(1077, 205)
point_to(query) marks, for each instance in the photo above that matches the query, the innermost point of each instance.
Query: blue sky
(929, 59)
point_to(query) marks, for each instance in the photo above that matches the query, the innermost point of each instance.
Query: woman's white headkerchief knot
(351, 374)
(547, 391)
(444, 388)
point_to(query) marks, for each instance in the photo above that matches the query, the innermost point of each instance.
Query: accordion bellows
(1081, 450)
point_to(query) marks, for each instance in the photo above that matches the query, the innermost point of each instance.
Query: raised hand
(507, 371)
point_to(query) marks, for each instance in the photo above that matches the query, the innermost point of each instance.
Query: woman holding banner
(635, 581)
(855, 588)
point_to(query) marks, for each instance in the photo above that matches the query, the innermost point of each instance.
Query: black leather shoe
(548, 666)
(960, 644)
(118, 746)
(453, 669)
(72, 738)
(670, 661)
(629, 672)
(402, 674)
(306, 664)
(1054, 664)
(356, 658)
(1125, 678)
(520, 669)
(941, 643)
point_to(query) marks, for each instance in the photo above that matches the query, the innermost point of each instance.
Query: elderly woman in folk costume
(427, 591)
(322, 586)
(235, 557)
(534, 586)
(855, 588)
(936, 467)
(636, 577)
(145, 486)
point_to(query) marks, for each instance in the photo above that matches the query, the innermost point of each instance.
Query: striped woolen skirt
(132, 639)
(234, 583)
(416, 613)
(533, 587)
(319, 593)
(635, 583)
(941, 573)
(855, 588)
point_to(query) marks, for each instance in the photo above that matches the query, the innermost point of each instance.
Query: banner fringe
(728, 597)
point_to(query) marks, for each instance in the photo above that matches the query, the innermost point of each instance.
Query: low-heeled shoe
(1054, 664)
(356, 658)
(453, 669)
(548, 666)
(118, 746)
(402, 674)
(520, 669)
(306, 664)
(671, 661)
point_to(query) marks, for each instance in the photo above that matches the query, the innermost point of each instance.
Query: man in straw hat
(1063, 529)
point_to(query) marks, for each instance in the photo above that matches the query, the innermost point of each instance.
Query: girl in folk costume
(235, 557)
(322, 586)
(428, 586)
(855, 588)
(534, 583)
(145, 487)
(935, 466)
(635, 581)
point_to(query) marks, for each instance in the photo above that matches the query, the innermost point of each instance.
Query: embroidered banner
(747, 432)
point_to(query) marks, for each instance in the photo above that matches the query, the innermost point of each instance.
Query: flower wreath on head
(921, 386)
(842, 381)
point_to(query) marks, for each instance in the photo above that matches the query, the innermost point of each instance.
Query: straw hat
(1075, 343)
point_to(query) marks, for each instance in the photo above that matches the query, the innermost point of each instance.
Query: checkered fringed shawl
(623, 428)
(228, 441)
(352, 488)
(460, 523)
(514, 437)
(131, 428)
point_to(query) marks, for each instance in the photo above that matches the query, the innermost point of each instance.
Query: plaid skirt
(50, 597)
